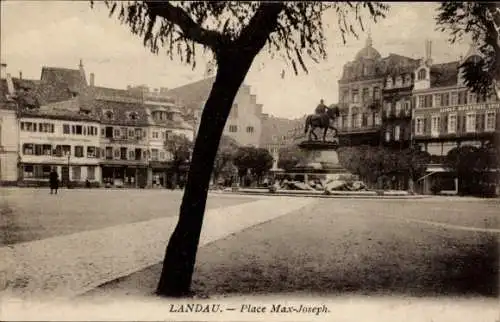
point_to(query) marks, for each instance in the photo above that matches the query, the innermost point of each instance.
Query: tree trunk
(180, 257)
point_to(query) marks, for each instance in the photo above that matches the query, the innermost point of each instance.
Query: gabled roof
(194, 94)
(59, 84)
(445, 74)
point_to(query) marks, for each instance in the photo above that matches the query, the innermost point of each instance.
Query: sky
(60, 33)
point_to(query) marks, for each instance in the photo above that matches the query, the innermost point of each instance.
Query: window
(66, 128)
(425, 101)
(133, 115)
(470, 124)
(66, 150)
(454, 98)
(79, 151)
(364, 121)
(407, 107)
(388, 82)
(28, 126)
(116, 133)
(46, 127)
(155, 135)
(162, 155)
(376, 93)
(109, 153)
(387, 109)
(419, 125)
(472, 98)
(399, 81)
(445, 99)
(378, 119)
(345, 96)
(435, 122)
(131, 155)
(124, 132)
(344, 121)
(123, 153)
(366, 94)
(28, 171)
(108, 115)
(28, 149)
(138, 134)
(490, 121)
(91, 172)
(398, 108)
(233, 128)
(103, 133)
(452, 123)
(138, 154)
(407, 80)
(462, 98)
(76, 129)
(387, 135)
(422, 74)
(437, 100)
(154, 154)
(117, 153)
(77, 173)
(249, 129)
(355, 96)
(47, 149)
(131, 133)
(397, 132)
(38, 149)
(91, 152)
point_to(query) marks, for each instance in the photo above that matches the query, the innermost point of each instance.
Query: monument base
(322, 169)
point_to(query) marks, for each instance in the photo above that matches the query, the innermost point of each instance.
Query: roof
(121, 112)
(398, 64)
(65, 110)
(25, 89)
(446, 74)
(59, 84)
(192, 95)
(368, 52)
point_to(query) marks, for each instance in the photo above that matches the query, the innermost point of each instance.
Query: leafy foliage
(257, 160)
(224, 157)
(180, 148)
(290, 156)
(176, 26)
(480, 20)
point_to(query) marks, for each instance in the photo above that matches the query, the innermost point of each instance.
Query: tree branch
(263, 22)
(190, 29)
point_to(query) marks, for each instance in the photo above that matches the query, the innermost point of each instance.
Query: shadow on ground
(327, 252)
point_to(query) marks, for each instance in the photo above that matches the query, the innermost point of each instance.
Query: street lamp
(68, 155)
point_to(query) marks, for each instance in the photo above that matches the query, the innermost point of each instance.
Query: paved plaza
(66, 245)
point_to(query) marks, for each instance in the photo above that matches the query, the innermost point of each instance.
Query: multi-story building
(165, 119)
(59, 136)
(124, 137)
(9, 138)
(244, 123)
(447, 114)
(397, 102)
(360, 93)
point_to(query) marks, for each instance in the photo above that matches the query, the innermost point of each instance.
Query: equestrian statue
(323, 118)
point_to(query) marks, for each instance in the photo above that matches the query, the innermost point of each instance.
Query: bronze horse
(323, 121)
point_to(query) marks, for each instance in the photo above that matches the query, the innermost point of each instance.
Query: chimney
(82, 71)
(20, 74)
(10, 84)
(428, 52)
(3, 73)
(92, 78)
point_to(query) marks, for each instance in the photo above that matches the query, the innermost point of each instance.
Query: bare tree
(234, 32)
(481, 21)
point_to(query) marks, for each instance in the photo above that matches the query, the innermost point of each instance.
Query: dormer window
(407, 80)
(388, 83)
(399, 81)
(108, 115)
(422, 74)
(133, 115)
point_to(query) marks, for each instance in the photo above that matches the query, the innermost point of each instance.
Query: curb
(335, 196)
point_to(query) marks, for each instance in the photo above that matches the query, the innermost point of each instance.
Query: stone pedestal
(322, 160)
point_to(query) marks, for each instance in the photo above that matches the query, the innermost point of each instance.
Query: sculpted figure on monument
(323, 118)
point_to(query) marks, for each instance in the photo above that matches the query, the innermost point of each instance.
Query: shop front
(124, 175)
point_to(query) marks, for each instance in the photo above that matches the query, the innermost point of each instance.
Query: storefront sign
(475, 107)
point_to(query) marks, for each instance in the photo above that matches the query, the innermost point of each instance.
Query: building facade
(61, 138)
(244, 123)
(447, 115)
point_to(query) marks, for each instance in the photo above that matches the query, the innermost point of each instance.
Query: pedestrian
(53, 181)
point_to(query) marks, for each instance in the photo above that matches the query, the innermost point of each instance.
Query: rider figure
(321, 108)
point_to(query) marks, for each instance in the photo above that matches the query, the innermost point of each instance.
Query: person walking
(53, 181)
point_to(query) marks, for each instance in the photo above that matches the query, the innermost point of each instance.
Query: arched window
(422, 74)
(133, 115)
